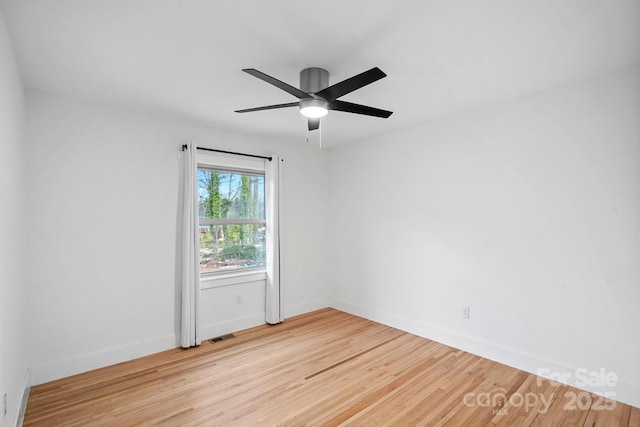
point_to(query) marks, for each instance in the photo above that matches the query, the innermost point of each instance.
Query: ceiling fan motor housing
(314, 79)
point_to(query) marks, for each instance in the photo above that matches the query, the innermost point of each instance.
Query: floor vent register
(222, 338)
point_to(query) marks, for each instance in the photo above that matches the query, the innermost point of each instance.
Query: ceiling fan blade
(349, 107)
(337, 90)
(314, 124)
(277, 83)
(269, 107)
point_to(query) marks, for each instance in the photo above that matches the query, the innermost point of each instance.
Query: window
(232, 220)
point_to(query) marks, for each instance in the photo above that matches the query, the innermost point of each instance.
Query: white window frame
(215, 161)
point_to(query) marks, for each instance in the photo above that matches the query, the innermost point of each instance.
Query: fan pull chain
(320, 134)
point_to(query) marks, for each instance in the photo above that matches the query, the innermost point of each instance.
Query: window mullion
(221, 221)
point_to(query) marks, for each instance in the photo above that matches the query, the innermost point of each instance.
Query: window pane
(237, 198)
(230, 195)
(231, 247)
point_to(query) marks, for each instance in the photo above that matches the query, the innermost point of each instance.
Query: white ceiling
(184, 57)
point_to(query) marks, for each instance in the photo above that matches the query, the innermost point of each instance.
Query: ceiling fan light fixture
(314, 108)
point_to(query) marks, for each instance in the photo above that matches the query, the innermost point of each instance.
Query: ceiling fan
(316, 97)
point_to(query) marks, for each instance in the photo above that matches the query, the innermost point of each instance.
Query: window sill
(218, 281)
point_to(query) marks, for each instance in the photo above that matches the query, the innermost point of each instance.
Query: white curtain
(273, 200)
(190, 325)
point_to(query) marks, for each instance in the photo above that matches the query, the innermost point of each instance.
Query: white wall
(13, 302)
(528, 212)
(103, 197)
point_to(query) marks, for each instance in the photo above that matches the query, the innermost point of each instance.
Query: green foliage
(244, 202)
(206, 239)
(207, 246)
(234, 232)
(212, 204)
(244, 196)
(239, 252)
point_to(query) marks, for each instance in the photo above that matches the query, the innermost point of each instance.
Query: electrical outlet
(4, 405)
(239, 299)
(465, 311)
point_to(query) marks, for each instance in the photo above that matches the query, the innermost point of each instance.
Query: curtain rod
(184, 147)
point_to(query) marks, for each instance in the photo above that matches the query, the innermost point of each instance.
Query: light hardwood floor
(322, 368)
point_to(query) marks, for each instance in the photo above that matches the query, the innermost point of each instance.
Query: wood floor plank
(410, 397)
(534, 397)
(321, 368)
(634, 417)
(605, 412)
(348, 383)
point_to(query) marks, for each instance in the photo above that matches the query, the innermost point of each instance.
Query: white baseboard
(624, 392)
(24, 398)
(217, 329)
(306, 307)
(86, 362)
(62, 368)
